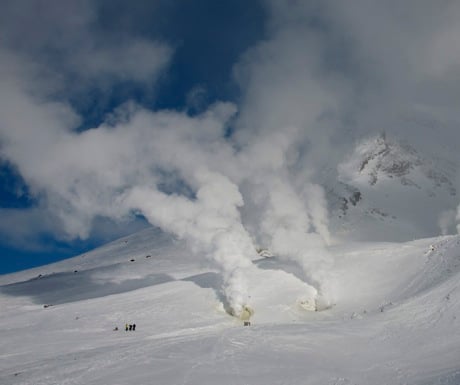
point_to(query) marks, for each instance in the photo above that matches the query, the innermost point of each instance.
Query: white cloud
(326, 74)
(133, 59)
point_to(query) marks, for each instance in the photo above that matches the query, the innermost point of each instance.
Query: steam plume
(211, 224)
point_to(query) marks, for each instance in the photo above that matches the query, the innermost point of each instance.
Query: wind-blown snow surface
(396, 319)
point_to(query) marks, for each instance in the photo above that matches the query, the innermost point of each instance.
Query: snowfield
(396, 318)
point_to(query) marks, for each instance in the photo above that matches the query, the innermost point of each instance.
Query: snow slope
(387, 190)
(396, 319)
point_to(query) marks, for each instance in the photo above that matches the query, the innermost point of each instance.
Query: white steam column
(211, 224)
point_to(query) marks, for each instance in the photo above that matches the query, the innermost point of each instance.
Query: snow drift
(394, 320)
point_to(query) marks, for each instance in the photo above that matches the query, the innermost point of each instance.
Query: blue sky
(117, 115)
(207, 38)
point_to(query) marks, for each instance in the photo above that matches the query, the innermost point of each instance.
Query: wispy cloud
(326, 74)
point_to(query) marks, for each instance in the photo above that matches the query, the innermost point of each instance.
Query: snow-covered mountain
(395, 321)
(386, 189)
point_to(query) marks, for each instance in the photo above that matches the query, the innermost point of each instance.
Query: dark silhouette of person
(134, 327)
(130, 327)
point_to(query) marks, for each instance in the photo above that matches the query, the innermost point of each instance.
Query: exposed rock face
(379, 159)
(387, 182)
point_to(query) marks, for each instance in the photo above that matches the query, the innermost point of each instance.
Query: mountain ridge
(396, 305)
(388, 190)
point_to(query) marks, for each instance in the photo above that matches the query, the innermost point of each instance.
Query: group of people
(130, 327)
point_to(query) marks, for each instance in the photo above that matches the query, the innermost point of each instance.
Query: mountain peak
(388, 188)
(378, 160)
